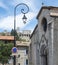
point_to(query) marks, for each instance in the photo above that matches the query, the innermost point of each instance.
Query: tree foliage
(5, 52)
(16, 34)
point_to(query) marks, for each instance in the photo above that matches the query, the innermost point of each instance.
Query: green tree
(16, 34)
(3, 34)
(5, 52)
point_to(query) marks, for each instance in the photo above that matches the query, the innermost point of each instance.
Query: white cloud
(3, 5)
(31, 4)
(15, 2)
(8, 22)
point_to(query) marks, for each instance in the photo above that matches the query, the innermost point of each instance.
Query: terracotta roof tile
(6, 37)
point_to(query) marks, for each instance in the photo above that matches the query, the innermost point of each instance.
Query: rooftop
(6, 37)
(18, 43)
(46, 7)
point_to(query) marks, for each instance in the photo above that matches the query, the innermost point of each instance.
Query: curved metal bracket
(22, 10)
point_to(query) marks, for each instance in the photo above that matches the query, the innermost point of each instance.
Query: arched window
(44, 24)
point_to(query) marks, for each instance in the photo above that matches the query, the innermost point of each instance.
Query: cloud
(15, 2)
(8, 22)
(30, 3)
(3, 5)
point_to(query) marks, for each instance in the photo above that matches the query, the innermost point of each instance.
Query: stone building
(23, 51)
(46, 37)
(7, 39)
(25, 35)
(23, 48)
(34, 48)
(22, 57)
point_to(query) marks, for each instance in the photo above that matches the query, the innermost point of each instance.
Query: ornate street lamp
(24, 21)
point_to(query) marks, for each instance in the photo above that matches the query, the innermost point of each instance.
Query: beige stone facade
(25, 35)
(22, 55)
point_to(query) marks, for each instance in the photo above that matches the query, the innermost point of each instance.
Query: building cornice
(45, 7)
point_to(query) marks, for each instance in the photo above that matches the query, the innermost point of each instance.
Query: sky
(7, 13)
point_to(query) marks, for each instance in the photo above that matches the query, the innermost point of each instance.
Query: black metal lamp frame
(24, 20)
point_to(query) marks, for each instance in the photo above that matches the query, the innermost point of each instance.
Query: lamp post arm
(22, 10)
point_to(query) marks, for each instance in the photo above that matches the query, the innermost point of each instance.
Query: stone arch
(42, 50)
(44, 24)
(43, 54)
